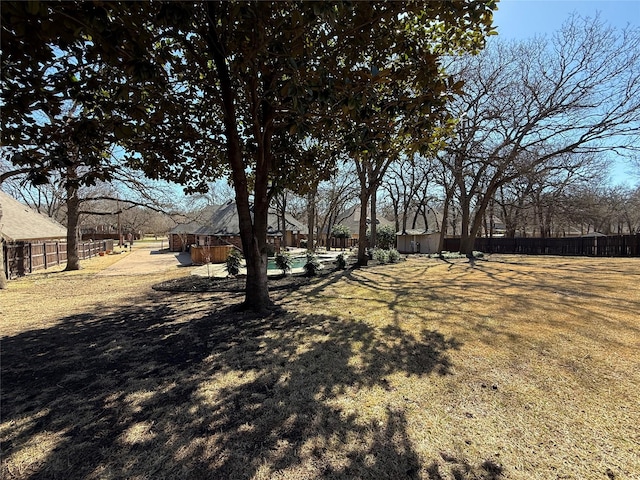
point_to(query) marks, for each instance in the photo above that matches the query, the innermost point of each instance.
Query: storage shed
(417, 241)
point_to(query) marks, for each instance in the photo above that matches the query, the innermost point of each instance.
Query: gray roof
(20, 222)
(416, 232)
(350, 218)
(223, 220)
(194, 228)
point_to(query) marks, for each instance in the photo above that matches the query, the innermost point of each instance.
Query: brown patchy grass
(517, 368)
(40, 299)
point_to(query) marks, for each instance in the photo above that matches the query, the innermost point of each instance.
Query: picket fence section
(21, 258)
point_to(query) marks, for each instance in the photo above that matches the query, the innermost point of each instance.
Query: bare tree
(408, 186)
(527, 105)
(609, 210)
(631, 210)
(331, 199)
(533, 203)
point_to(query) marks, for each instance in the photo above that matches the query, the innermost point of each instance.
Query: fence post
(5, 265)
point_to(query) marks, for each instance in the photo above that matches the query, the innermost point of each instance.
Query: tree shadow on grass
(168, 389)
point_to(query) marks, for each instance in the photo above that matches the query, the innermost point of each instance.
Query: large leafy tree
(238, 79)
(52, 87)
(213, 88)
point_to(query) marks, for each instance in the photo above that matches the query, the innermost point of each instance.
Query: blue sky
(525, 18)
(519, 19)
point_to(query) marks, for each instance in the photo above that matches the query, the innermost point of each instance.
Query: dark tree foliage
(203, 90)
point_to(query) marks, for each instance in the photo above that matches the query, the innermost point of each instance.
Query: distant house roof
(223, 220)
(192, 228)
(350, 218)
(416, 232)
(20, 222)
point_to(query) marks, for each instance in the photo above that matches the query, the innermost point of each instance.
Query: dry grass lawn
(515, 368)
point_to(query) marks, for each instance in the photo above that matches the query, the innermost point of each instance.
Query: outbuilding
(417, 241)
(30, 240)
(219, 225)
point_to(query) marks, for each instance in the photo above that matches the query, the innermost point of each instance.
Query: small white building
(417, 241)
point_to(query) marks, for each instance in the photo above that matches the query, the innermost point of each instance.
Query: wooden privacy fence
(604, 246)
(26, 257)
(212, 254)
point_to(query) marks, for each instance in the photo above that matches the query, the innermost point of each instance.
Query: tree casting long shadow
(164, 390)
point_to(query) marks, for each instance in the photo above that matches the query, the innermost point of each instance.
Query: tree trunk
(445, 219)
(466, 236)
(467, 244)
(283, 243)
(73, 216)
(330, 222)
(254, 243)
(492, 223)
(257, 290)
(374, 227)
(363, 258)
(311, 219)
(435, 218)
(425, 218)
(470, 232)
(396, 213)
(485, 222)
(252, 234)
(415, 218)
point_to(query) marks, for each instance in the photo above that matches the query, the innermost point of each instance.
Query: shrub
(341, 262)
(312, 267)
(454, 255)
(271, 249)
(303, 243)
(394, 255)
(380, 255)
(386, 237)
(284, 262)
(340, 231)
(234, 261)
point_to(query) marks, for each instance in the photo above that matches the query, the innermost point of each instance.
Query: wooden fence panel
(22, 258)
(16, 259)
(210, 254)
(451, 244)
(605, 246)
(37, 256)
